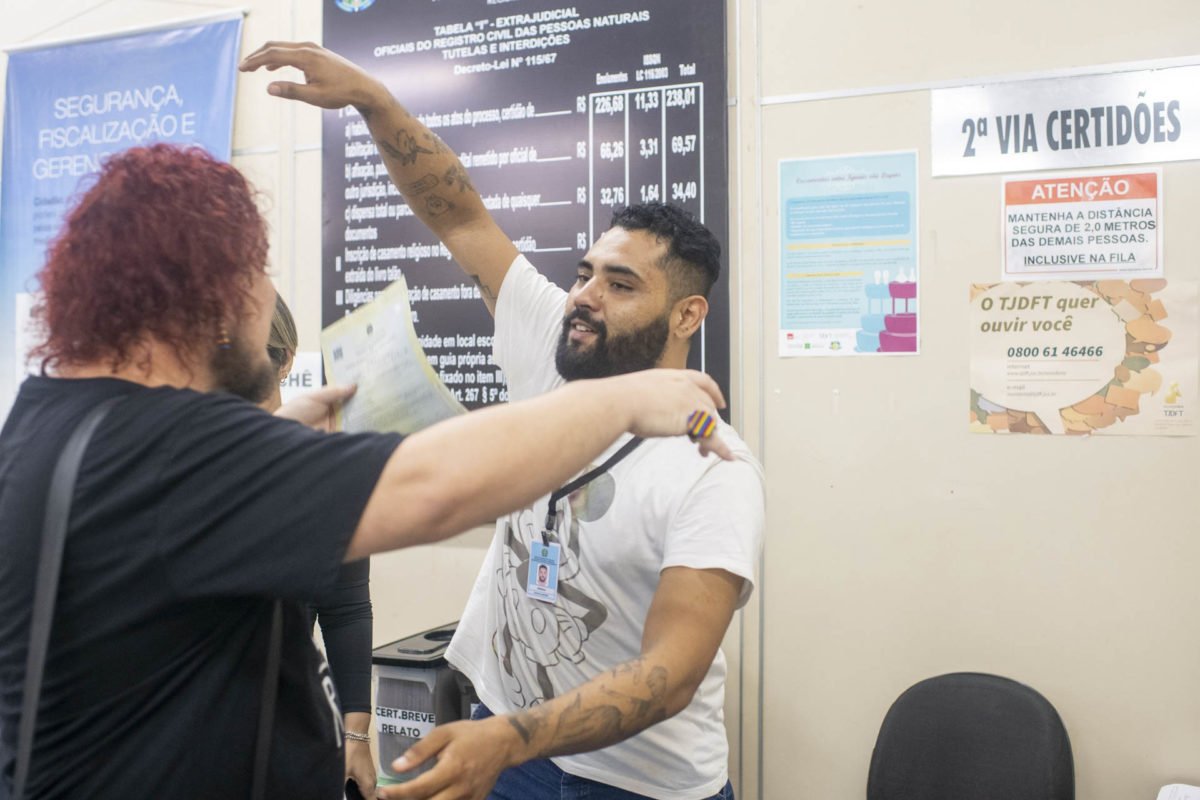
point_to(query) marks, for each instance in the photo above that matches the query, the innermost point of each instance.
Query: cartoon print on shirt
(534, 636)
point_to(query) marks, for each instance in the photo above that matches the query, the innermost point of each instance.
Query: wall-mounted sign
(848, 255)
(1083, 225)
(305, 376)
(561, 114)
(1065, 123)
(1074, 357)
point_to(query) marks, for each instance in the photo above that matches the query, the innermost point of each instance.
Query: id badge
(543, 572)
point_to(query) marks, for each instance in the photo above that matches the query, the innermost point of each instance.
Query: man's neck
(673, 358)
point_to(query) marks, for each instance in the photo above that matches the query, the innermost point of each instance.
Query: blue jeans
(542, 780)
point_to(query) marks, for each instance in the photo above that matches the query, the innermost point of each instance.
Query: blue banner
(69, 106)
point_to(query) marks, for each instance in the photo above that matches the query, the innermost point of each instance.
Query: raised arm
(687, 619)
(469, 470)
(426, 171)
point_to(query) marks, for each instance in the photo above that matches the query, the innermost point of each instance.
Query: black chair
(970, 736)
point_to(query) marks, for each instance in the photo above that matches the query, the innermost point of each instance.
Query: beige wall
(898, 546)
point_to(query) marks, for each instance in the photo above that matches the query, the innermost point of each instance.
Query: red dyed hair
(163, 246)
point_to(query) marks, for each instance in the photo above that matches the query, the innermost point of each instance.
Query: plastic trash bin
(415, 689)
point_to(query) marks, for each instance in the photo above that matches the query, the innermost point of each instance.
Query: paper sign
(404, 722)
(1083, 225)
(848, 255)
(304, 376)
(1104, 357)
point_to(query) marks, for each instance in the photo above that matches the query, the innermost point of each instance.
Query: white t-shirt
(662, 506)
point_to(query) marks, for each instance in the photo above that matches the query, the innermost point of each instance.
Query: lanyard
(581, 481)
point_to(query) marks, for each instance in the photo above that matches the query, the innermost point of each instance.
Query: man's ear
(687, 315)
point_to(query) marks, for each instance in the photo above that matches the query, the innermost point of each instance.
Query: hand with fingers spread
(470, 756)
(330, 81)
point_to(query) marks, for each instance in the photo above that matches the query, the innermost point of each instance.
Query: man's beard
(236, 370)
(629, 352)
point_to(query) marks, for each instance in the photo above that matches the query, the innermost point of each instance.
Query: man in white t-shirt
(606, 680)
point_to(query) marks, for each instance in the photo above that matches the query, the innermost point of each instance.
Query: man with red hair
(195, 512)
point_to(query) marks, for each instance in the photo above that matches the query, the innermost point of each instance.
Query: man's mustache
(581, 314)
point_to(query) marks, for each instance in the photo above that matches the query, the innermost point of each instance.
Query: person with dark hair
(344, 612)
(609, 680)
(200, 525)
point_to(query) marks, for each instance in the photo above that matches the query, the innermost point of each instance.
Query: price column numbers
(645, 145)
(647, 100)
(608, 159)
(683, 127)
(645, 128)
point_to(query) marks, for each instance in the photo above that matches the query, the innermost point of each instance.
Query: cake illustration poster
(849, 255)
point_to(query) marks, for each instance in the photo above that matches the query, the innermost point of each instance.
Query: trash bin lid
(424, 649)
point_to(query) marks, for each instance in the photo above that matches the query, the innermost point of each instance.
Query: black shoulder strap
(54, 535)
(266, 711)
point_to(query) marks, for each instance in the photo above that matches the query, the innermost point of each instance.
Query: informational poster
(1136, 117)
(848, 255)
(561, 113)
(1078, 357)
(1083, 225)
(63, 116)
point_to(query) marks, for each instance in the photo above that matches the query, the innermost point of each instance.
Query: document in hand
(377, 348)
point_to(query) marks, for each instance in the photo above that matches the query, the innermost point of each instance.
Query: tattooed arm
(687, 620)
(427, 172)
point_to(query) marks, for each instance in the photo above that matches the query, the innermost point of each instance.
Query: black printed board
(561, 113)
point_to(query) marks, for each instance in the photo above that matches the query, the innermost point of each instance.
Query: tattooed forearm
(528, 723)
(457, 176)
(604, 711)
(488, 293)
(577, 724)
(405, 148)
(435, 205)
(420, 187)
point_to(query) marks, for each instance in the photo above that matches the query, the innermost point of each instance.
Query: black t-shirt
(191, 514)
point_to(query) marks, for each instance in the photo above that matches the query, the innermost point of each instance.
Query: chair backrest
(971, 736)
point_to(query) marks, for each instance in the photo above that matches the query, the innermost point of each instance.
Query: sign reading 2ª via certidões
(1077, 226)
(1084, 121)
